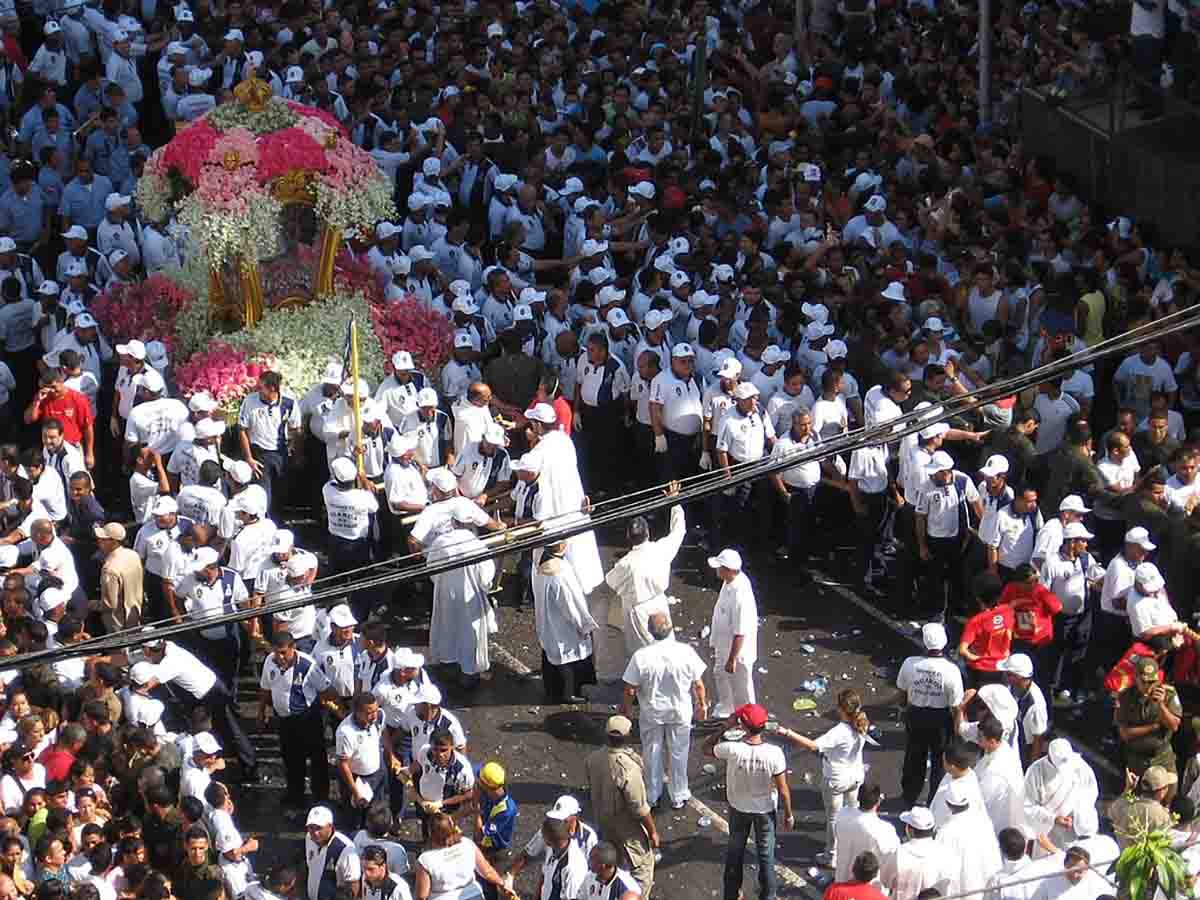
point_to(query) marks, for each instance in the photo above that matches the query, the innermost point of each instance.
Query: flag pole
(356, 401)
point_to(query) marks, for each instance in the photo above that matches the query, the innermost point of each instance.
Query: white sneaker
(1063, 698)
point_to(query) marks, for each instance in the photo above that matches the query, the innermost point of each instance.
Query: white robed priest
(462, 611)
(564, 626)
(560, 501)
(1057, 787)
(969, 841)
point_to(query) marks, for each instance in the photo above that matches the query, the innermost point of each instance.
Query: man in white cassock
(1077, 880)
(1057, 786)
(462, 611)
(859, 828)
(564, 627)
(918, 864)
(560, 501)
(969, 842)
(1001, 779)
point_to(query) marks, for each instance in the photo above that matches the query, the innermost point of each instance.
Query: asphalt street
(808, 629)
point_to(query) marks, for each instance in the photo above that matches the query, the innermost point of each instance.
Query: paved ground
(855, 644)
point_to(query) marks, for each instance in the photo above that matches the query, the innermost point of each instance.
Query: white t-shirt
(841, 750)
(451, 871)
(750, 774)
(663, 673)
(348, 512)
(362, 746)
(348, 868)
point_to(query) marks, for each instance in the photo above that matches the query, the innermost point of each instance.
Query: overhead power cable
(534, 535)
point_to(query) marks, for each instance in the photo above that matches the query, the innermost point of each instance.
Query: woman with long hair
(447, 870)
(841, 750)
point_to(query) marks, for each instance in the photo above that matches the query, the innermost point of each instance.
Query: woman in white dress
(842, 770)
(447, 870)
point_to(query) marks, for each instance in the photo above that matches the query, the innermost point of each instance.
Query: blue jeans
(740, 824)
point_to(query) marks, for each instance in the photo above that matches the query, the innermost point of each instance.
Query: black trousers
(345, 556)
(604, 448)
(869, 522)
(354, 817)
(682, 459)
(219, 703)
(562, 681)
(302, 745)
(274, 463)
(740, 517)
(928, 733)
(223, 655)
(945, 573)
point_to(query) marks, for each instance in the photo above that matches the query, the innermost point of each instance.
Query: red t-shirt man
(69, 406)
(1034, 609)
(987, 638)
(853, 890)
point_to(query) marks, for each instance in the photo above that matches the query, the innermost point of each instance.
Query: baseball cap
(1147, 578)
(462, 340)
(997, 464)
(427, 397)
(616, 318)
(1156, 778)
(209, 428)
(933, 636)
(203, 557)
(150, 380)
(683, 351)
(204, 402)
(76, 233)
(564, 807)
(1018, 664)
(933, 324)
(320, 816)
(207, 744)
(402, 361)
(726, 559)
(134, 348)
(937, 429)
(141, 672)
(164, 506)
(656, 318)
(752, 715)
(406, 658)
(542, 412)
(744, 391)
(836, 349)
(111, 531)
(343, 469)
(283, 541)
(239, 470)
(1073, 503)
(919, 818)
(1141, 537)
(618, 726)
(940, 462)
(341, 617)
(1076, 531)
(1147, 669)
(522, 313)
(609, 294)
(442, 479)
(731, 368)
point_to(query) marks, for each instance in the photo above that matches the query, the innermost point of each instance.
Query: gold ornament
(232, 160)
(253, 93)
(294, 187)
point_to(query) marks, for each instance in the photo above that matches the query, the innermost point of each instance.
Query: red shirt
(1035, 612)
(1122, 674)
(566, 415)
(853, 890)
(58, 762)
(988, 635)
(72, 409)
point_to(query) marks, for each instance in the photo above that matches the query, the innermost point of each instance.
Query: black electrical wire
(691, 489)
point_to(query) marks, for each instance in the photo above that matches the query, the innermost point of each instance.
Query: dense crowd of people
(671, 241)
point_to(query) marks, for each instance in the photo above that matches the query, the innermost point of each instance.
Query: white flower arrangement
(193, 324)
(221, 237)
(305, 339)
(344, 209)
(153, 194)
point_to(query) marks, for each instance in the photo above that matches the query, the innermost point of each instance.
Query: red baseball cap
(752, 716)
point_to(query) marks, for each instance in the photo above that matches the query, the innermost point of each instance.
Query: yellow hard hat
(492, 775)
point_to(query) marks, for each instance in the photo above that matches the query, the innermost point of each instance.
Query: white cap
(532, 295)
(418, 200)
(643, 189)
(134, 348)
(429, 693)
(875, 204)
(283, 541)
(385, 230)
(933, 636)
(505, 182)
(164, 506)
(773, 355)
(1141, 537)
(420, 254)
(937, 429)
(592, 247)
(210, 428)
(184, 15)
(7, 245)
(76, 233)
(51, 27)
(616, 318)
(726, 559)
(199, 77)
(933, 323)
(51, 598)
(464, 305)
(656, 318)
(940, 462)
(150, 380)
(294, 75)
(702, 298)
(564, 807)
(1073, 503)
(997, 464)
(402, 361)
(427, 397)
(141, 672)
(321, 816)
(816, 311)
(340, 616)
(299, 563)
(207, 744)
(745, 390)
(679, 279)
(522, 313)
(814, 331)
(203, 557)
(957, 795)
(252, 502)
(462, 341)
(406, 658)
(1076, 531)
(364, 389)
(239, 470)
(1147, 578)
(403, 443)
(255, 58)
(678, 245)
(894, 291)
(601, 275)
(683, 351)
(116, 256)
(442, 479)
(723, 272)
(1018, 664)
(731, 368)
(664, 262)
(836, 349)
(235, 34)
(431, 166)
(176, 48)
(582, 203)
(115, 201)
(343, 469)
(333, 374)
(919, 818)
(493, 433)
(609, 294)
(156, 354)
(542, 412)
(495, 30)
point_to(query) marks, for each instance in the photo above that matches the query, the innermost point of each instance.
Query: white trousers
(833, 800)
(657, 742)
(732, 690)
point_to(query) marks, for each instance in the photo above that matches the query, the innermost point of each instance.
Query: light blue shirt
(23, 217)
(84, 204)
